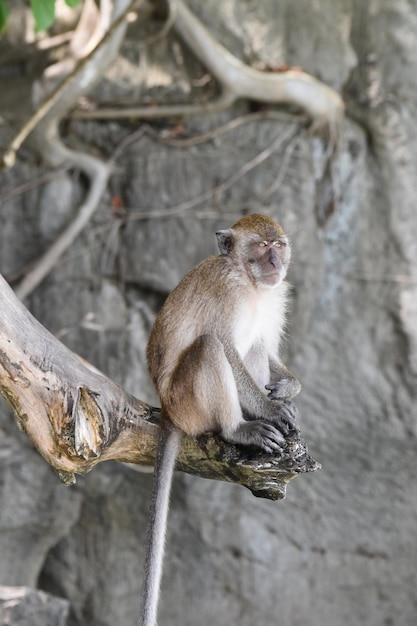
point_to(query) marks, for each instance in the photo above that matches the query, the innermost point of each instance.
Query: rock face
(21, 606)
(341, 549)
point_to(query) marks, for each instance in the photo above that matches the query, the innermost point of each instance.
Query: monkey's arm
(255, 404)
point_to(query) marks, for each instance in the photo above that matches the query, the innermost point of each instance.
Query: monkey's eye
(263, 244)
(279, 244)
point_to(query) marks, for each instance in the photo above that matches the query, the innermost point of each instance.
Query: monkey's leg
(274, 408)
(283, 387)
(204, 397)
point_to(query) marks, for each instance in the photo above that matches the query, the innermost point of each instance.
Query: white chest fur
(260, 320)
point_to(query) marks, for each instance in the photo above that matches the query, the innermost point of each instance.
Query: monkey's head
(259, 244)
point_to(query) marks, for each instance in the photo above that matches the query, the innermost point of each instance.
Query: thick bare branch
(76, 417)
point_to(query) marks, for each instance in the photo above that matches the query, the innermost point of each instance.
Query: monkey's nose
(273, 259)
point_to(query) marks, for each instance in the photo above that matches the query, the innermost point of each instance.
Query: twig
(155, 112)
(10, 194)
(54, 41)
(222, 187)
(260, 158)
(267, 193)
(229, 126)
(128, 140)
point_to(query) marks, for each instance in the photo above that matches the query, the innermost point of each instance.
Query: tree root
(44, 129)
(322, 104)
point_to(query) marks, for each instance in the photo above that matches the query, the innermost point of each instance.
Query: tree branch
(76, 417)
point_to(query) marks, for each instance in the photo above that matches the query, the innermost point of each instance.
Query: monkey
(213, 355)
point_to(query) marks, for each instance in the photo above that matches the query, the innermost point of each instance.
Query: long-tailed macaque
(213, 356)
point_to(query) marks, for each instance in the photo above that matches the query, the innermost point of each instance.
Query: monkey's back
(197, 305)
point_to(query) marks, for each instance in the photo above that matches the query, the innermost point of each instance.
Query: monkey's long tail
(168, 445)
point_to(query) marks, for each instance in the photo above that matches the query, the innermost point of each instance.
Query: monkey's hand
(284, 389)
(258, 433)
(285, 417)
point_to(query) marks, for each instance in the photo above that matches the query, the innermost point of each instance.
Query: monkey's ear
(225, 240)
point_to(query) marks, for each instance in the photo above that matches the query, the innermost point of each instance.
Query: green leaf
(72, 3)
(4, 14)
(43, 12)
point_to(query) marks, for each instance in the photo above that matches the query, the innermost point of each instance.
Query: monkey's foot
(258, 433)
(285, 417)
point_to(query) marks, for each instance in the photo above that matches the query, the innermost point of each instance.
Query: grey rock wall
(22, 606)
(340, 550)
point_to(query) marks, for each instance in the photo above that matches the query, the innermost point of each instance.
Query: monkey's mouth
(273, 278)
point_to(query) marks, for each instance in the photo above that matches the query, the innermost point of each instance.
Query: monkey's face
(268, 260)
(260, 245)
